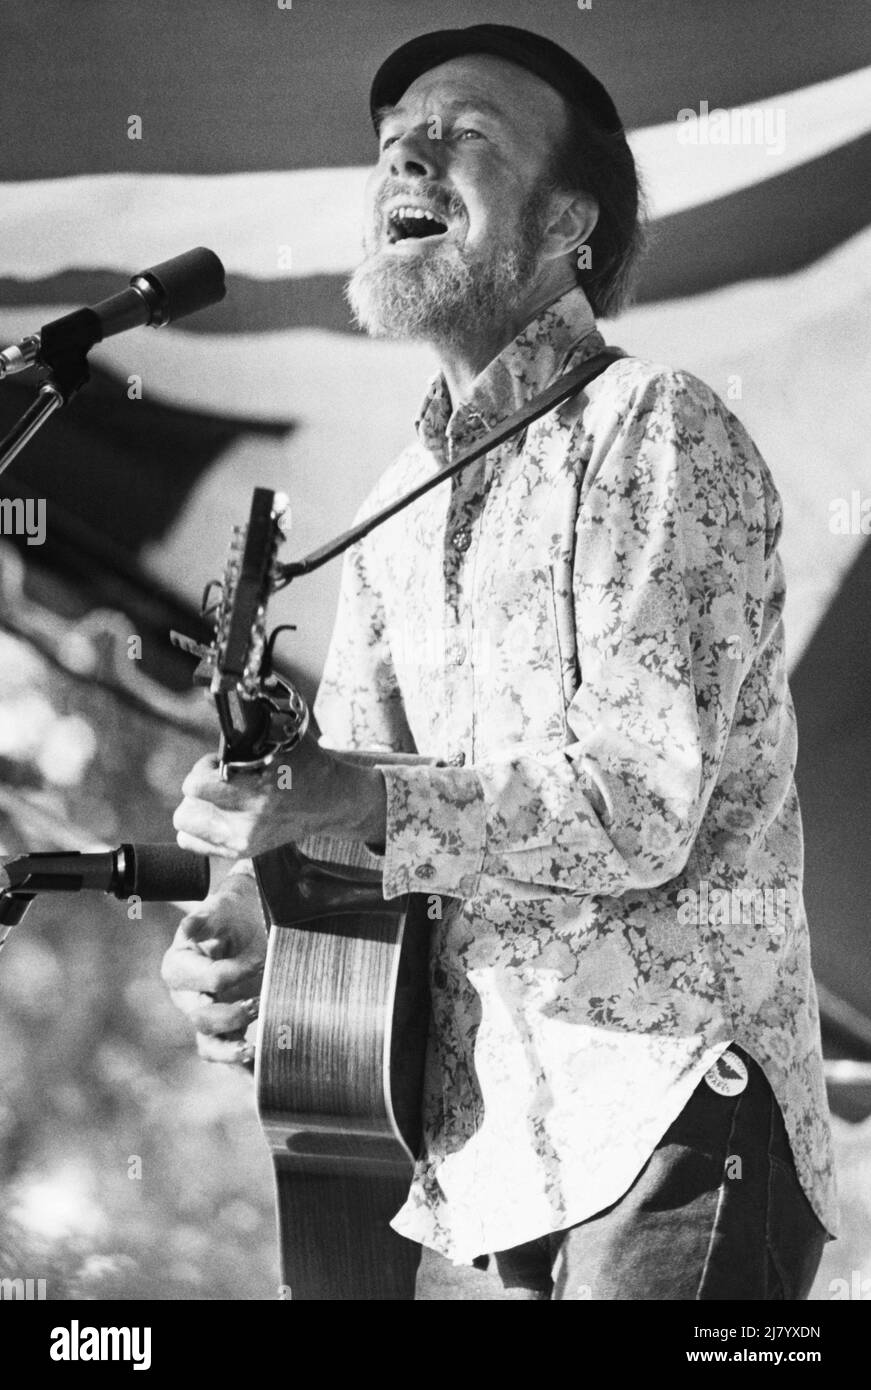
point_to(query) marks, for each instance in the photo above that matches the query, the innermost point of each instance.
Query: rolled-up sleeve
(673, 581)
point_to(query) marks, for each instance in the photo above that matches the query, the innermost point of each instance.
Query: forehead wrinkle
(472, 103)
(532, 109)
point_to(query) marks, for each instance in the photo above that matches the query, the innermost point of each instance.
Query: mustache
(429, 194)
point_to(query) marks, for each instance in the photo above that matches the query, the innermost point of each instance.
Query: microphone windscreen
(165, 873)
(189, 282)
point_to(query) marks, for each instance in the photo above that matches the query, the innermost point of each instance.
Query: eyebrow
(482, 104)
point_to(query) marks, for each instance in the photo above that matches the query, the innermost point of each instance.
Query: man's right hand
(214, 969)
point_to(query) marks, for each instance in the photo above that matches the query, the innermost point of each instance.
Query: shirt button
(462, 538)
(458, 760)
(425, 871)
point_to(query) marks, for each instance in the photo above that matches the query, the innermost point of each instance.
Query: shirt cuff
(436, 830)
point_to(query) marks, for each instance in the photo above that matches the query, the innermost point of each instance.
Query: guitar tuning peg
(270, 642)
(207, 592)
(281, 514)
(192, 647)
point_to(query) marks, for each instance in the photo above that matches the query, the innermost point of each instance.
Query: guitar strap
(560, 390)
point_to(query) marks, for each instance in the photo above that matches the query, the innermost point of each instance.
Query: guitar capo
(288, 722)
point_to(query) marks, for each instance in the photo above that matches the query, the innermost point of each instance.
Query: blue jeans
(716, 1213)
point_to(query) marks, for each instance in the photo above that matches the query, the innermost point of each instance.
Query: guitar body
(340, 1054)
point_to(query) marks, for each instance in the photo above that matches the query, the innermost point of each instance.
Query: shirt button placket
(465, 504)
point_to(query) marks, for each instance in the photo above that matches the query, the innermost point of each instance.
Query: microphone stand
(63, 359)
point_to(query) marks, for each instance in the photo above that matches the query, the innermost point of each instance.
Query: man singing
(582, 633)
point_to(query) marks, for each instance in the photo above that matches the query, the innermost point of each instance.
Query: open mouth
(413, 223)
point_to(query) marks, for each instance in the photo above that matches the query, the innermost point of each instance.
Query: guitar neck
(242, 722)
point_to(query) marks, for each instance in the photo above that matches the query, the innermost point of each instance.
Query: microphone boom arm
(49, 399)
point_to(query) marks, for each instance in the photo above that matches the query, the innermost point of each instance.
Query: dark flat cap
(539, 55)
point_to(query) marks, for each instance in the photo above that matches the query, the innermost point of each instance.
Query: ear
(574, 218)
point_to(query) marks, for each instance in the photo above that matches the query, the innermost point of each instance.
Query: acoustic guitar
(344, 1008)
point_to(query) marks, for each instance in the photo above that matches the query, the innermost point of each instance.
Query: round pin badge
(728, 1075)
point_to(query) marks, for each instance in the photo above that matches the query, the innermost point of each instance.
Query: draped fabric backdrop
(135, 131)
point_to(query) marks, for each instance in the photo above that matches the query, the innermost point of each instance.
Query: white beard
(445, 293)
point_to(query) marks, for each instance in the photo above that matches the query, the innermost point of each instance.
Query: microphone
(165, 293)
(154, 873)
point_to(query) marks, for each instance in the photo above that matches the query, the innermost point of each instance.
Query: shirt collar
(522, 370)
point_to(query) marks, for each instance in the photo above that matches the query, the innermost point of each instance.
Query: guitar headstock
(258, 712)
(240, 643)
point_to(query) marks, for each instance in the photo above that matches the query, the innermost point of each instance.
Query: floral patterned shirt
(585, 630)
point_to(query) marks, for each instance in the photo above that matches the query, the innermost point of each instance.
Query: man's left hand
(311, 792)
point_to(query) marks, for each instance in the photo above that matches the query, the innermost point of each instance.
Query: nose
(414, 155)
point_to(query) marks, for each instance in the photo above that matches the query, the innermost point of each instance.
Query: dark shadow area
(830, 688)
